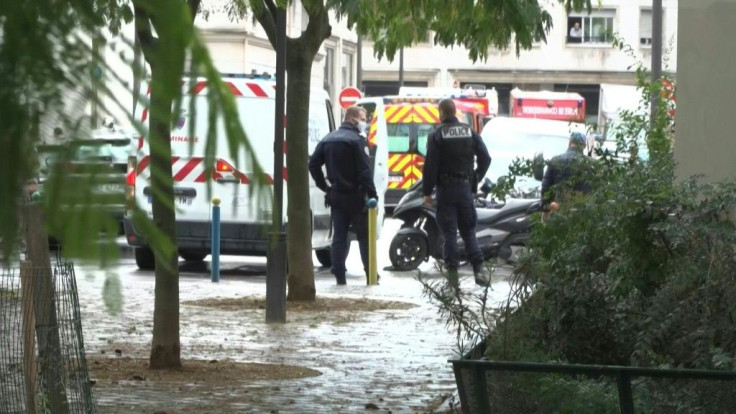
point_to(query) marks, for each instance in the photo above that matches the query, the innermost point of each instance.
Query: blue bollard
(215, 265)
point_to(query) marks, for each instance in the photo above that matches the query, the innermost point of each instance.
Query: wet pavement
(393, 359)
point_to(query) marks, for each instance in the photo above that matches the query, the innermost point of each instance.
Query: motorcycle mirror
(538, 166)
(487, 186)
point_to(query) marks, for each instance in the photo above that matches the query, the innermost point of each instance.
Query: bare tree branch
(194, 8)
(149, 44)
(271, 8)
(318, 28)
(267, 20)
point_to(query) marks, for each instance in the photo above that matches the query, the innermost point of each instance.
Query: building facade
(242, 47)
(577, 57)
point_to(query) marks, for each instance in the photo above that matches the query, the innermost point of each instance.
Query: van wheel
(324, 256)
(144, 258)
(196, 257)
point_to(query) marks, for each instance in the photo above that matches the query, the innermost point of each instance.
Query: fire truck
(561, 106)
(482, 103)
(404, 123)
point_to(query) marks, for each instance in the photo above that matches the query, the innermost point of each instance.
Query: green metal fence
(42, 361)
(486, 386)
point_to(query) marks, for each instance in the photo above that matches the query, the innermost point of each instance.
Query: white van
(245, 222)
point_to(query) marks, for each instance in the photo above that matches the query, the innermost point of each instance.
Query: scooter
(499, 227)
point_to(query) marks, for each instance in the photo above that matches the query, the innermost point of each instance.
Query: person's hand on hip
(428, 200)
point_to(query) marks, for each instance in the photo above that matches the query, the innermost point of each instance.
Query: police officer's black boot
(341, 280)
(482, 277)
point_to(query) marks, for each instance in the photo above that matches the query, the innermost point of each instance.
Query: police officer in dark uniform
(344, 152)
(565, 175)
(452, 150)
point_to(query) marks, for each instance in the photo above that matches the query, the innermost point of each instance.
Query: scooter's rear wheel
(407, 251)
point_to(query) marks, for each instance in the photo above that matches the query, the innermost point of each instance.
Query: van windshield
(466, 118)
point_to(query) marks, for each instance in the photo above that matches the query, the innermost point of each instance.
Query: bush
(642, 271)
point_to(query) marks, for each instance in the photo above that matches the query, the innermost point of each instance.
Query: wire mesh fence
(42, 361)
(503, 387)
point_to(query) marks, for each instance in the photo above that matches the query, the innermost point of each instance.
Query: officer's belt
(446, 178)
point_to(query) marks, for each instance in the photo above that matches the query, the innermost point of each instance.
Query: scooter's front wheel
(407, 251)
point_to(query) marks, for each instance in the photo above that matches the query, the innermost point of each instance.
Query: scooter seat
(513, 206)
(487, 214)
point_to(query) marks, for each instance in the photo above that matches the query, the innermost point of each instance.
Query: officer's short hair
(354, 112)
(447, 108)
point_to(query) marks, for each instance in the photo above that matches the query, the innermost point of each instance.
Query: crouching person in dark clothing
(344, 153)
(566, 175)
(452, 150)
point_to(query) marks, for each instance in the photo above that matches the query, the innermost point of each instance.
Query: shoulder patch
(459, 131)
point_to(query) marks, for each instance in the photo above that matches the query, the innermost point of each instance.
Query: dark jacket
(452, 150)
(570, 165)
(345, 154)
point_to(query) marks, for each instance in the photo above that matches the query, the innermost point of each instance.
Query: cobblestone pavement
(395, 359)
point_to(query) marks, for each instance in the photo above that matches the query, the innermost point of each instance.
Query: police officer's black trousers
(456, 211)
(347, 209)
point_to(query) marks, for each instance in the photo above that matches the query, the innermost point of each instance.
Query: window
(594, 28)
(329, 69)
(423, 131)
(112, 150)
(645, 27)
(347, 69)
(399, 137)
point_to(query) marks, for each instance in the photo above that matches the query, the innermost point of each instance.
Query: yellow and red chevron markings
(410, 165)
(412, 114)
(372, 130)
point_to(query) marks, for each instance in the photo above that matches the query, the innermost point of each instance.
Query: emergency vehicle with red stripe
(245, 218)
(404, 123)
(559, 106)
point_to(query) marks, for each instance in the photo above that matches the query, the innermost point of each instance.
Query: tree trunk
(50, 361)
(165, 346)
(299, 236)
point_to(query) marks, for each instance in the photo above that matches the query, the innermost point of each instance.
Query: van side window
(370, 109)
(330, 115)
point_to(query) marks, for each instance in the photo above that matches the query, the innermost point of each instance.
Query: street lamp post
(359, 64)
(401, 67)
(656, 54)
(276, 265)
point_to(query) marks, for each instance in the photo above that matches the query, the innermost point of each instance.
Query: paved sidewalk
(394, 359)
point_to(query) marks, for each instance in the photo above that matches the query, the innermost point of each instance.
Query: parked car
(94, 170)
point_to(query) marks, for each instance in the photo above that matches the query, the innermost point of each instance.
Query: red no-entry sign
(348, 96)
